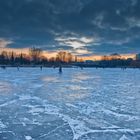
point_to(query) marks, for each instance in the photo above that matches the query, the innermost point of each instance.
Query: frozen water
(89, 104)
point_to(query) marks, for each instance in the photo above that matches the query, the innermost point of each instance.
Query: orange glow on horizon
(99, 57)
(50, 54)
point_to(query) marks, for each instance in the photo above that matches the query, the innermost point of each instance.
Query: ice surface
(89, 104)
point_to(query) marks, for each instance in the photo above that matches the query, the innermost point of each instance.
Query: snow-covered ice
(28, 137)
(88, 104)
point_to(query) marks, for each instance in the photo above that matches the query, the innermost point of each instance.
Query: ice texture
(88, 104)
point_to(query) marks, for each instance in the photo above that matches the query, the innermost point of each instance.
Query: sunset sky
(82, 27)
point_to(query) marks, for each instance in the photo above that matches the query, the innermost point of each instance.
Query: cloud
(98, 20)
(120, 42)
(4, 43)
(134, 2)
(71, 24)
(133, 22)
(81, 52)
(76, 42)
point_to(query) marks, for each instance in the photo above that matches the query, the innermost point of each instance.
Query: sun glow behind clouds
(4, 43)
(78, 44)
(75, 42)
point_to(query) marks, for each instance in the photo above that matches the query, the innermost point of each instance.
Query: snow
(2, 125)
(124, 138)
(79, 104)
(28, 137)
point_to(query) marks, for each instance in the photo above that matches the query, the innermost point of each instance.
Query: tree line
(113, 61)
(35, 57)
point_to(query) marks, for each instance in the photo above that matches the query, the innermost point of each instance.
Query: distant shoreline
(63, 66)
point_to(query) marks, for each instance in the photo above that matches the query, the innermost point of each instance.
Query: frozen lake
(88, 104)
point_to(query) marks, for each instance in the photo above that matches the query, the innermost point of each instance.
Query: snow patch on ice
(78, 127)
(71, 105)
(28, 97)
(124, 138)
(28, 138)
(119, 115)
(50, 109)
(2, 125)
(36, 111)
(77, 87)
(8, 103)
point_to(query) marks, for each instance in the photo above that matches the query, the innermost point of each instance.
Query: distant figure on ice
(123, 68)
(3, 67)
(60, 69)
(18, 68)
(81, 68)
(41, 67)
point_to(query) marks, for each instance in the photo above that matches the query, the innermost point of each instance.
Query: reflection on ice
(5, 88)
(76, 87)
(81, 76)
(50, 79)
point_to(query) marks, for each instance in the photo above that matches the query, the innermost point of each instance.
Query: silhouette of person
(60, 69)
(41, 67)
(3, 67)
(18, 68)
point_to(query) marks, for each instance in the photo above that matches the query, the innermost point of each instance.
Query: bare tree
(61, 56)
(105, 58)
(69, 57)
(64, 56)
(35, 54)
(115, 56)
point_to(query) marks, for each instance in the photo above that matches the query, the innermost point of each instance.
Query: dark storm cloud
(98, 26)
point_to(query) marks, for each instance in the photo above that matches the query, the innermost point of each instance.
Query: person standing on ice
(60, 69)
(18, 68)
(3, 67)
(41, 68)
